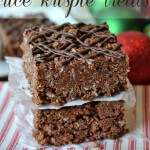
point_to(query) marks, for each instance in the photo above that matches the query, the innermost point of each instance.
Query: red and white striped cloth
(9, 135)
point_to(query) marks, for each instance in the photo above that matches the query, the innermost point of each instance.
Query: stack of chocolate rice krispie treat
(67, 62)
(11, 31)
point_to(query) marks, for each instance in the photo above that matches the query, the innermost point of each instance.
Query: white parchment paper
(20, 90)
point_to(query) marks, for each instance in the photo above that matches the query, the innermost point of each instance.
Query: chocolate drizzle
(65, 40)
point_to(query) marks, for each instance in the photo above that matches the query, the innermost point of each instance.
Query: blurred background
(130, 24)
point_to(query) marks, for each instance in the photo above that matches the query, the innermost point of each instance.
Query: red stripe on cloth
(146, 111)
(72, 148)
(24, 148)
(87, 148)
(1, 85)
(13, 141)
(6, 127)
(55, 149)
(132, 144)
(146, 145)
(4, 104)
(117, 145)
(102, 146)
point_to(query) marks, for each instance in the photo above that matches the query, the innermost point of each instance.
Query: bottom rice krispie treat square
(76, 124)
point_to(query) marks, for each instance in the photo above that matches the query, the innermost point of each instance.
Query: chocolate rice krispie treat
(72, 125)
(73, 61)
(11, 31)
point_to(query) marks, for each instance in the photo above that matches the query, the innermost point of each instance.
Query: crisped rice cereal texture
(70, 61)
(72, 125)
